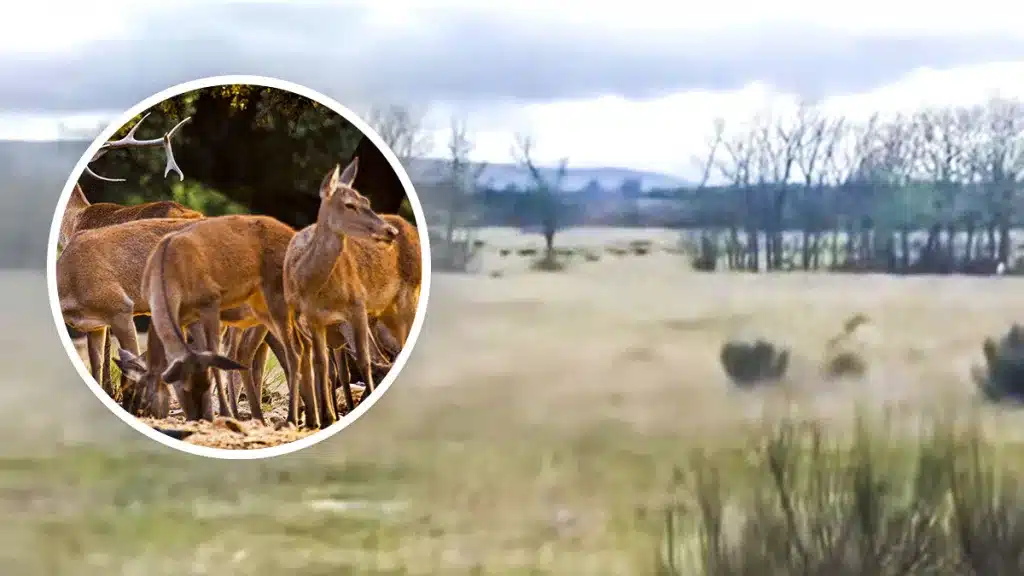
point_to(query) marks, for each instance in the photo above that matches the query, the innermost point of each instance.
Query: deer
(251, 347)
(99, 277)
(80, 214)
(348, 267)
(192, 275)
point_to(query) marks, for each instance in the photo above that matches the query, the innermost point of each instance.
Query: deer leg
(248, 349)
(278, 350)
(108, 383)
(255, 382)
(191, 397)
(361, 333)
(306, 385)
(156, 397)
(209, 319)
(342, 374)
(293, 349)
(325, 391)
(203, 341)
(231, 344)
(224, 406)
(94, 343)
(123, 327)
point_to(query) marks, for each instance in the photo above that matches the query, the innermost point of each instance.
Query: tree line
(934, 191)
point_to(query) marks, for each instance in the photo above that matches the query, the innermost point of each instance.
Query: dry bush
(616, 251)
(591, 256)
(548, 263)
(706, 259)
(803, 502)
(640, 247)
(527, 251)
(845, 364)
(504, 252)
(749, 363)
(845, 354)
(1002, 377)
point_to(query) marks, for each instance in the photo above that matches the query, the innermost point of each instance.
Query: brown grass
(538, 427)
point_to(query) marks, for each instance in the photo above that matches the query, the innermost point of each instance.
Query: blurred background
(613, 192)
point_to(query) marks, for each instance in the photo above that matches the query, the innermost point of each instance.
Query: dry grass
(541, 422)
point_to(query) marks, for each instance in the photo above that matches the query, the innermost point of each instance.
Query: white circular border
(220, 453)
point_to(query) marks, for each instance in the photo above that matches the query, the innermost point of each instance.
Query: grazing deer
(350, 266)
(193, 393)
(213, 265)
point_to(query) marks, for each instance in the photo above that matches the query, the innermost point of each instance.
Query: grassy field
(545, 424)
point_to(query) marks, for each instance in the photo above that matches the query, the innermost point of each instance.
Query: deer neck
(321, 256)
(69, 222)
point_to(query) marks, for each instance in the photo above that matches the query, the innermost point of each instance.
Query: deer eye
(350, 205)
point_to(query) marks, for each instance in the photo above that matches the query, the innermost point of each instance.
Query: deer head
(344, 211)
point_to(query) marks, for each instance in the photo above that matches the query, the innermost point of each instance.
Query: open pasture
(540, 425)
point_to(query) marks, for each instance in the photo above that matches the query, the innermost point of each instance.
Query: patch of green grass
(86, 511)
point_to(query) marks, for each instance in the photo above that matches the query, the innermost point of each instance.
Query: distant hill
(499, 176)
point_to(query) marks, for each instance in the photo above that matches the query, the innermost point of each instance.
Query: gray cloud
(463, 57)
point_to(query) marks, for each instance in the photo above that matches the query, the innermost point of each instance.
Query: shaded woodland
(246, 146)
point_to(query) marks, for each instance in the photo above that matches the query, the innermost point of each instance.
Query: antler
(129, 141)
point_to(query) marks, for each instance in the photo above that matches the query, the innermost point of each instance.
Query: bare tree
(459, 198)
(736, 166)
(402, 129)
(817, 148)
(943, 134)
(546, 192)
(780, 139)
(998, 159)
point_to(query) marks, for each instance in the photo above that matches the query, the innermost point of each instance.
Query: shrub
(706, 259)
(805, 502)
(750, 363)
(548, 263)
(1002, 378)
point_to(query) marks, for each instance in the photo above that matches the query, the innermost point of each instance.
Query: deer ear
(330, 183)
(349, 175)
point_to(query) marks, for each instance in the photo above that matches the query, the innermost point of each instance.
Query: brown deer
(348, 267)
(193, 394)
(99, 278)
(213, 265)
(80, 214)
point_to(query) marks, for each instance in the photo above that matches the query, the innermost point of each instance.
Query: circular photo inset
(238, 267)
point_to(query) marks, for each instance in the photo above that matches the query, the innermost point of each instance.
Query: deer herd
(222, 292)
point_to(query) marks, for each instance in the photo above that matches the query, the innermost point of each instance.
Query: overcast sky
(631, 84)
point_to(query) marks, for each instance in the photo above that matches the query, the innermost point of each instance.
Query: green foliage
(197, 197)
(262, 148)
